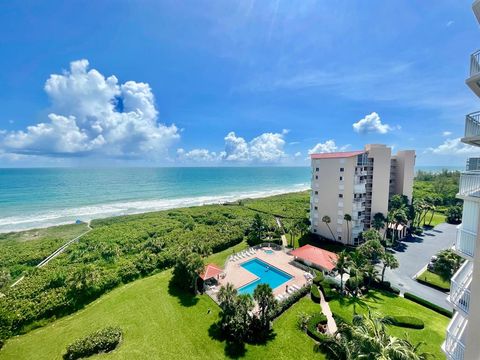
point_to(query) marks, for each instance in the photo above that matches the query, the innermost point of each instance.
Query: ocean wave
(85, 213)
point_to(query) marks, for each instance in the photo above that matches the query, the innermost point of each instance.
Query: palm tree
(367, 338)
(378, 222)
(342, 264)
(348, 219)
(227, 298)
(400, 218)
(263, 294)
(326, 219)
(390, 261)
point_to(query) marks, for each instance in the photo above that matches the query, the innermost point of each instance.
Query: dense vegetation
(119, 250)
(101, 341)
(442, 187)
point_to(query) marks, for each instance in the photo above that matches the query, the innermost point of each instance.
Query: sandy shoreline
(69, 216)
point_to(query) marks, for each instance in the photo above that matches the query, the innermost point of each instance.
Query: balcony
(472, 129)
(454, 345)
(469, 184)
(460, 287)
(473, 81)
(476, 9)
(359, 188)
(465, 243)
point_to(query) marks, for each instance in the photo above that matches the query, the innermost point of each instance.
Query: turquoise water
(267, 274)
(32, 198)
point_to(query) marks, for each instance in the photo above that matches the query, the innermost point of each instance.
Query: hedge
(317, 280)
(292, 299)
(428, 304)
(315, 293)
(406, 321)
(312, 326)
(101, 341)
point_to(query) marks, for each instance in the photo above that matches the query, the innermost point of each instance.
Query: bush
(454, 214)
(428, 304)
(385, 285)
(312, 326)
(100, 341)
(292, 299)
(317, 280)
(315, 293)
(326, 287)
(410, 322)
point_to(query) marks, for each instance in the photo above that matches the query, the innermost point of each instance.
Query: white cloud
(450, 23)
(371, 124)
(94, 114)
(265, 148)
(327, 147)
(446, 133)
(454, 147)
(298, 154)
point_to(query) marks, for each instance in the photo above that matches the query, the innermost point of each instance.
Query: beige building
(358, 183)
(462, 333)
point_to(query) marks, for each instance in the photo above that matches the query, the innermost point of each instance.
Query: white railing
(470, 183)
(476, 9)
(472, 124)
(359, 188)
(460, 287)
(358, 206)
(454, 347)
(475, 63)
(465, 242)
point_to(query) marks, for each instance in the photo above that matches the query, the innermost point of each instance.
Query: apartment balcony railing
(476, 9)
(359, 188)
(358, 206)
(473, 81)
(460, 287)
(470, 184)
(472, 124)
(454, 346)
(361, 173)
(465, 242)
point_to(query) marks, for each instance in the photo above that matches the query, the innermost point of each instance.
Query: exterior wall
(381, 156)
(325, 195)
(404, 173)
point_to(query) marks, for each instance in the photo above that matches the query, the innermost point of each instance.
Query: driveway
(413, 254)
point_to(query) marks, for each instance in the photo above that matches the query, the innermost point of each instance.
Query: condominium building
(358, 183)
(462, 333)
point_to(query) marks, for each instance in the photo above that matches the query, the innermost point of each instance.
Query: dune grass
(385, 304)
(159, 322)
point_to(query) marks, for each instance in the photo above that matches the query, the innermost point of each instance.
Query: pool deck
(238, 276)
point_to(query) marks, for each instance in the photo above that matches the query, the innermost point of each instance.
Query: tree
(447, 264)
(454, 214)
(227, 297)
(378, 222)
(372, 248)
(357, 269)
(390, 261)
(263, 294)
(187, 267)
(400, 218)
(5, 278)
(257, 230)
(367, 337)
(326, 219)
(348, 219)
(242, 319)
(342, 264)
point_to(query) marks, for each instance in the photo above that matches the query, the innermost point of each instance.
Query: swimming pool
(268, 251)
(266, 273)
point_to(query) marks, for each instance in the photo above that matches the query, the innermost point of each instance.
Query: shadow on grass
(235, 349)
(315, 240)
(184, 297)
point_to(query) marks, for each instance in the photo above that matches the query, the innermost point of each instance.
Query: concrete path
(413, 255)
(283, 237)
(331, 324)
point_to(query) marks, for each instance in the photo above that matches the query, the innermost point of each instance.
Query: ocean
(32, 198)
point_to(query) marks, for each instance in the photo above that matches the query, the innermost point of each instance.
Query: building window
(316, 177)
(314, 230)
(342, 169)
(340, 196)
(340, 238)
(316, 207)
(341, 178)
(316, 169)
(316, 192)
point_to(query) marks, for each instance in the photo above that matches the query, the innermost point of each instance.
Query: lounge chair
(295, 287)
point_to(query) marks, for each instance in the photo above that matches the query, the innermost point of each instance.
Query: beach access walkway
(331, 324)
(57, 252)
(283, 237)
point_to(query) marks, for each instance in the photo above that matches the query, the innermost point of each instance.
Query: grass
(438, 218)
(388, 304)
(434, 279)
(163, 323)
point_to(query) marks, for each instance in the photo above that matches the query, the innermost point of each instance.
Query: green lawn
(160, 323)
(387, 304)
(438, 218)
(434, 279)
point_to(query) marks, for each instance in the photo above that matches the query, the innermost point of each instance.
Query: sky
(232, 83)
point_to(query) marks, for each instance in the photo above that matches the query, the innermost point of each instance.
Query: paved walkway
(331, 324)
(413, 255)
(283, 237)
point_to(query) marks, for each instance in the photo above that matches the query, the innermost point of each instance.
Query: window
(316, 169)
(316, 192)
(339, 238)
(316, 177)
(314, 230)
(341, 178)
(316, 207)
(340, 196)
(342, 169)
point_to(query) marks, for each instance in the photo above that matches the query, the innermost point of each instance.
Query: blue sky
(232, 82)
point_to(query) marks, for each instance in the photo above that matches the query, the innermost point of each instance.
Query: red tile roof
(210, 271)
(336, 155)
(320, 257)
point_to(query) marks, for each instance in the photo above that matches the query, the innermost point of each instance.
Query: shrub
(317, 280)
(312, 326)
(385, 285)
(292, 299)
(100, 341)
(315, 293)
(428, 304)
(406, 321)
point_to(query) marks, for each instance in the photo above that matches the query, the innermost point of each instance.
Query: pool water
(268, 251)
(266, 273)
